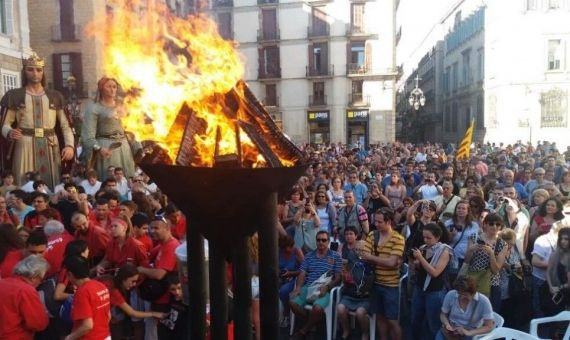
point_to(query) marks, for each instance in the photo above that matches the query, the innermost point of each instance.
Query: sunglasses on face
(323, 240)
(496, 224)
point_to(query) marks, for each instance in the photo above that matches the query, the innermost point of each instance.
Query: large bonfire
(164, 62)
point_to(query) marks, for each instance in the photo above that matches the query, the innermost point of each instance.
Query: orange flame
(163, 61)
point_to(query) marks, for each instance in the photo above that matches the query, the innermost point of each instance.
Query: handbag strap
(460, 237)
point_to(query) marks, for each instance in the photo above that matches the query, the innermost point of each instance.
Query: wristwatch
(96, 147)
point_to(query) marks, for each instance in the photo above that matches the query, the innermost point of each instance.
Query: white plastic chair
(352, 315)
(508, 334)
(499, 322)
(329, 310)
(562, 316)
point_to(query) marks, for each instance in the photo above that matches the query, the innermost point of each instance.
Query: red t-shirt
(92, 301)
(163, 257)
(10, 261)
(97, 240)
(22, 311)
(132, 251)
(117, 298)
(93, 221)
(146, 241)
(179, 230)
(55, 250)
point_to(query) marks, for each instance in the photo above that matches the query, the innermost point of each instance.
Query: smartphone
(334, 245)
(481, 242)
(557, 298)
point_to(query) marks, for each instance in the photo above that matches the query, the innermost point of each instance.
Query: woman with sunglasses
(485, 257)
(326, 212)
(477, 206)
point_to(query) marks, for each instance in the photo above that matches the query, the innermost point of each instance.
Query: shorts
(301, 299)
(352, 303)
(384, 301)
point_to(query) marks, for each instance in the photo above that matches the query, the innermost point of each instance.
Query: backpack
(359, 276)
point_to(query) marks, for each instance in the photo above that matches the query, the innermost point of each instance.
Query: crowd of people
(89, 251)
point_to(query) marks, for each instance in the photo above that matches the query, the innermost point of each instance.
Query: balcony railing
(263, 36)
(222, 3)
(356, 69)
(359, 31)
(267, 2)
(358, 100)
(73, 34)
(323, 71)
(274, 73)
(271, 102)
(317, 101)
(318, 31)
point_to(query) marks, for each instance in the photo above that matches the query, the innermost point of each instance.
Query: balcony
(222, 3)
(358, 100)
(319, 72)
(267, 2)
(314, 32)
(356, 69)
(270, 74)
(271, 102)
(266, 37)
(357, 31)
(316, 101)
(73, 34)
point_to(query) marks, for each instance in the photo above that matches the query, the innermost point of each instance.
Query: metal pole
(218, 295)
(242, 292)
(196, 283)
(269, 269)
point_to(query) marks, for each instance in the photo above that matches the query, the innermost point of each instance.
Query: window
(318, 62)
(554, 108)
(554, 54)
(225, 25)
(455, 77)
(9, 80)
(65, 65)
(454, 114)
(553, 4)
(319, 93)
(269, 65)
(466, 68)
(319, 22)
(269, 23)
(530, 5)
(357, 18)
(6, 20)
(66, 20)
(357, 57)
(480, 118)
(271, 95)
(480, 66)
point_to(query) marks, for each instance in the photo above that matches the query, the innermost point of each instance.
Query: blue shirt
(360, 191)
(478, 310)
(315, 266)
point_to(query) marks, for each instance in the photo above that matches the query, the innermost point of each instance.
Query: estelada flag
(465, 145)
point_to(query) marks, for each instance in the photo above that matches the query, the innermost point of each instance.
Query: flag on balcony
(465, 145)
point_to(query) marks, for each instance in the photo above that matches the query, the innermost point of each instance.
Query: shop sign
(318, 115)
(357, 114)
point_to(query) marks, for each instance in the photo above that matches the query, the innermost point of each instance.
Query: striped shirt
(315, 266)
(393, 246)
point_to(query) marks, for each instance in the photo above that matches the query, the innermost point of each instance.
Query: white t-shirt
(90, 189)
(429, 192)
(543, 246)
(324, 218)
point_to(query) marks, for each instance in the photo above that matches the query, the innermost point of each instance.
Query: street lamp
(417, 98)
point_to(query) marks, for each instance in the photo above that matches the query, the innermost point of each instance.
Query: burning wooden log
(249, 116)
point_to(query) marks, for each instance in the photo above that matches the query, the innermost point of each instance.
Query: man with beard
(30, 116)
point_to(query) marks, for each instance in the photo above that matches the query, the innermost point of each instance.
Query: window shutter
(311, 58)
(8, 17)
(368, 56)
(77, 71)
(57, 74)
(261, 59)
(66, 20)
(324, 58)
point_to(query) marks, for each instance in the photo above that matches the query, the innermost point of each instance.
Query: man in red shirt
(57, 240)
(40, 201)
(36, 244)
(101, 216)
(177, 221)
(162, 257)
(91, 309)
(22, 312)
(96, 237)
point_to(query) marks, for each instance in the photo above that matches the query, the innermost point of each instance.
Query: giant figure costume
(36, 117)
